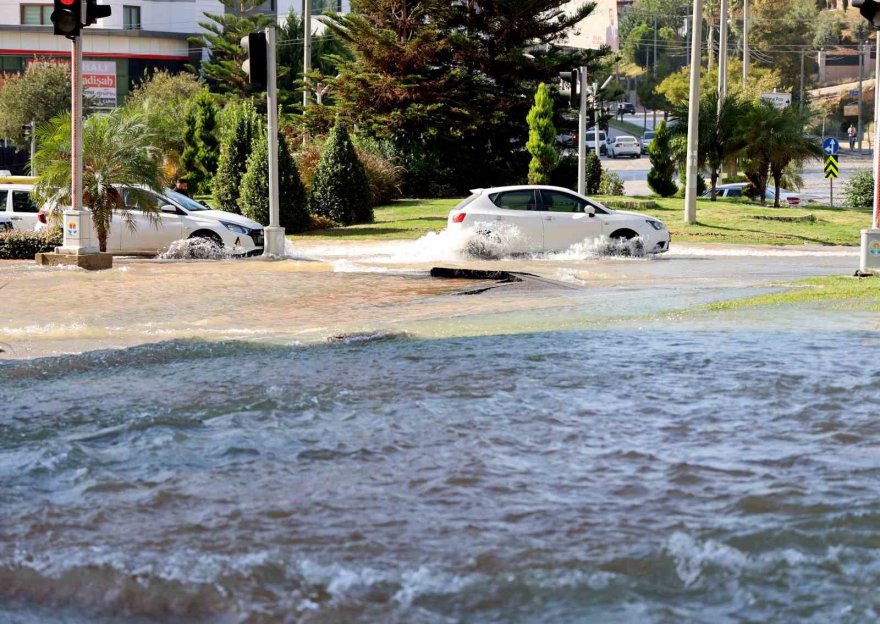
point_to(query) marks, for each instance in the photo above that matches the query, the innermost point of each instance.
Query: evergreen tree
(235, 148)
(222, 39)
(661, 177)
(542, 136)
(189, 157)
(340, 190)
(254, 201)
(206, 136)
(593, 177)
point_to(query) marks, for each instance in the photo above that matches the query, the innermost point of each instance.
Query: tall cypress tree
(341, 190)
(293, 212)
(235, 148)
(206, 136)
(542, 136)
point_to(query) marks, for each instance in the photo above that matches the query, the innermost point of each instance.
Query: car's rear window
(466, 201)
(626, 139)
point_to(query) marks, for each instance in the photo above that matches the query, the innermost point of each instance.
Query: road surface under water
(580, 450)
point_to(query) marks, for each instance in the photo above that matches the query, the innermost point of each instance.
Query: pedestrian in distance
(852, 137)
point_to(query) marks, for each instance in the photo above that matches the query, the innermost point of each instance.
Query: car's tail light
(41, 217)
(794, 201)
(458, 218)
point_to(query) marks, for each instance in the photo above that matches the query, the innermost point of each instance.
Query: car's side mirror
(589, 210)
(169, 209)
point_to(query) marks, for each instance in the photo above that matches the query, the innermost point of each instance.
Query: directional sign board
(831, 169)
(831, 146)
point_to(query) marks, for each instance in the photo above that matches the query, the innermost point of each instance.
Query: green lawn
(842, 293)
(717, 222)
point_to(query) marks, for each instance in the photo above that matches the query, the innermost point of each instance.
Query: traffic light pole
(77, 225)
(869, 256)
(273, 245)
(582, 131)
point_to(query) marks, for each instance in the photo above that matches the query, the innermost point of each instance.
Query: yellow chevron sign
(831, 168)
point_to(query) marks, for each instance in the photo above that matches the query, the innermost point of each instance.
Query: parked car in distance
(628, 108)
(591, 141)
(646, 140)
(624, 146)
(17, 201)
(178, 217)
(550, 218)
(744, 189)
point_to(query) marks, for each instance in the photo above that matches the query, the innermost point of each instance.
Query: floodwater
(341, 438)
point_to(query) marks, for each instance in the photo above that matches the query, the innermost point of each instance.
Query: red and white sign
(99, 79)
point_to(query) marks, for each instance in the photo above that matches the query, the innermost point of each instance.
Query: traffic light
(95, 11)
(67, 17)
(572, 78)
(256, 66)
(870, 10)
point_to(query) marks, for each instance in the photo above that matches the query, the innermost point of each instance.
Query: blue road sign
(854, 92)
(831, 146)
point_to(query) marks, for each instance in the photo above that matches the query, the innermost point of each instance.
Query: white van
(17, 201)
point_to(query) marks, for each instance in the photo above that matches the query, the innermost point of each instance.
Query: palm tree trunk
(714, 183)
(777, 184)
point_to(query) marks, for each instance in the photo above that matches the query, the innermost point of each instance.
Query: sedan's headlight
(238, 229)
(657, 225)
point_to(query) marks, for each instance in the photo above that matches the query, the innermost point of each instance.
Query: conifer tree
(340, 190)
(661, 177)
(593, 174)
(189, 156)
(542, 136)
(293, 213)
(236, 143)
(206, 137)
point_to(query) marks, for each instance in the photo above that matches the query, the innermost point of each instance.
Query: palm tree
(119, 149)
(791, 145)
(721, 131)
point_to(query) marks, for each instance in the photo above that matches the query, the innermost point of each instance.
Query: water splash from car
(195, 249)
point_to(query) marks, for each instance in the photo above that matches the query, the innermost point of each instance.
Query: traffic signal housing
(95, 11)
(67, 17)
(256, 66)
(573, 79)
(870, 10)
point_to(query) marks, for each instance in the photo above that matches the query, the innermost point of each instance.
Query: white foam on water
(679, 250)
(692, 557)
(195, 249)
(602, 247)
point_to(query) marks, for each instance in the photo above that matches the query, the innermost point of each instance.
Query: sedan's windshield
(185, 201)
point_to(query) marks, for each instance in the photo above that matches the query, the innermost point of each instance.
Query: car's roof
(520, 187)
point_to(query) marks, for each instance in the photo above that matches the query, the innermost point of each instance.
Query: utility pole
(722, 51)
(582, 130)
(690, 194)
(803, 53)
(654, 68)
(746, 53)
(861, 65)
(710, 47)
(307, 49)
(273, 245)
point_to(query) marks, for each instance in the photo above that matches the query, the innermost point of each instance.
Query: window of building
(36, 14)
(131, 18)
(319, 6)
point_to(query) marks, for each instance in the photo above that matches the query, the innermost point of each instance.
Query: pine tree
(340, 190)
(206, 137)
(222, 38)
(661, 177)
(236, 143)
(254, 201)
(542, 136)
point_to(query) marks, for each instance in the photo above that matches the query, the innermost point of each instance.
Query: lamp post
(690, 193)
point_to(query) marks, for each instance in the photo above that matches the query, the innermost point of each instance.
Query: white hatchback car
(179, 217)
(550, 218)
(17, 202)
(624, 146)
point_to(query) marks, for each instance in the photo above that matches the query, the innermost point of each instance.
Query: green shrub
(859, 191)
(254, 200)
(383, 171)
(542, 137)
(340, 189)
(566, 172)
(236, 143)
(593, 173)
(611, 184)
(25, 244)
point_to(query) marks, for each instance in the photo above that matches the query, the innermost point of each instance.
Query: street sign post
(831, 146)
(831, 172)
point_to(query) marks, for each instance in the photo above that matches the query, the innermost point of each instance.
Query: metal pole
(598, 106)
(582, 131)
(803, 52)
(76, 194)
(690, 195)
(33, 147)
(876, 219)
(274, 234)
(861, 65)
(307, 48)
(710, 45)
(745, 42)
(654, 68)
(722, 51)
